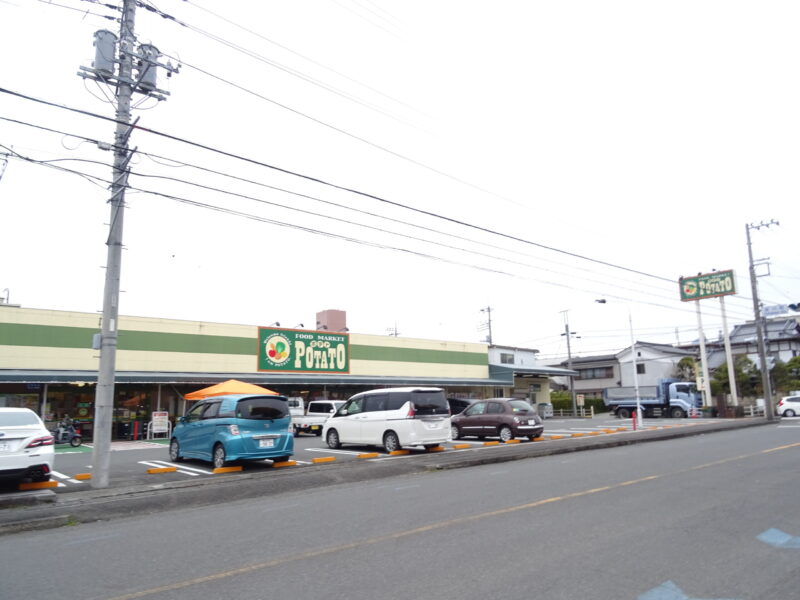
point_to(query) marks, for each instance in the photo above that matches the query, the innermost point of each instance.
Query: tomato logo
(278, 347)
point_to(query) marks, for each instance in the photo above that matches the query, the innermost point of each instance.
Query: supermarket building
(47, 363)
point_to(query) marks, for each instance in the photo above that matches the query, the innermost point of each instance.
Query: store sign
(710, 285)
(301, 350)
(160, 421)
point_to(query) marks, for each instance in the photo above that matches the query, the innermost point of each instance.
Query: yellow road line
(419, 530)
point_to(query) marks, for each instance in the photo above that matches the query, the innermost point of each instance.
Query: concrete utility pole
(104, 398)
(569, 335)
(759, 323)
(115, 65)
(488, 324)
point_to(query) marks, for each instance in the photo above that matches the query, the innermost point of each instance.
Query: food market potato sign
(301, 350)
(710, 285)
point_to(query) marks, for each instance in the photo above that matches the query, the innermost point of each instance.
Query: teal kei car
(223, 429)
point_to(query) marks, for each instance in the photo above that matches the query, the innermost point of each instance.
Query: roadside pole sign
(708, 285)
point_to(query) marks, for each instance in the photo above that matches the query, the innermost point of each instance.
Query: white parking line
(67, 477)
(329, 451)
(158, 466)
(180, 466)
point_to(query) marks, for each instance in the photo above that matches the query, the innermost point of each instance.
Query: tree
(686, 369)
(787, 375)
(747, 376)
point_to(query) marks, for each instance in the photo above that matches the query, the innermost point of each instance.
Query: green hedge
(563, 401)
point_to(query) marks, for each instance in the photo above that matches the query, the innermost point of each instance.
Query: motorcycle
(67, 434)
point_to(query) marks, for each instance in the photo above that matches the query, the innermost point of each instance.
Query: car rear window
(320, 407)
(17, 419)
(430, 402)
(520, 406)
(265, 407)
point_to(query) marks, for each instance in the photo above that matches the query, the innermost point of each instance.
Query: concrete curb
(95, 505)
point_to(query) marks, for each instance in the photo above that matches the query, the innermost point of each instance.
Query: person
(64, 427)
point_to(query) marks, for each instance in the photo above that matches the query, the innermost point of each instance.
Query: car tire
(218, 456)
(455, 433)
(505, 434)
(788, 413)
(391, 442)
(624, 413)
(175, 451)
(332, 439)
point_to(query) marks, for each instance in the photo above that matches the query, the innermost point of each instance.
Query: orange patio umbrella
(232, 386)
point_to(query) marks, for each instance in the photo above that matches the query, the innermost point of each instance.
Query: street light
(635, 366)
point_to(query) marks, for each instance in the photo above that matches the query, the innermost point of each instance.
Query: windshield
(430, 402)
(520, 406)
(265, 407)
(17, 419)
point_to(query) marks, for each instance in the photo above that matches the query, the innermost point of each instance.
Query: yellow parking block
(82, 476)
(512, 442)
(491, 443)
(622, 429)
(595, 432)
(286, 463)
(556, 437)
(538, 439)
(436, 449)
(368, 455)
(227, 469)
(610, 430)
(162, 470)
(399, 452)
(577, 434)
(38, 485)
(323, 459)
(460, 446)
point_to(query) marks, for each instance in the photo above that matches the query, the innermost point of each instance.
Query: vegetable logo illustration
(278, 348)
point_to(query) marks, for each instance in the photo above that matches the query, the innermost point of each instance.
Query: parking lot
(147, 462)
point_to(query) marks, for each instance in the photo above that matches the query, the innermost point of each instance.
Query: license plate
(268, 443)
(532, 422)
(314, 427)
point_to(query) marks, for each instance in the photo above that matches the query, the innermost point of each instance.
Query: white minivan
(392, 418)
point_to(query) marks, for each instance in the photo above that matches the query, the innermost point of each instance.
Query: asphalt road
(709, 516)
(130, 461)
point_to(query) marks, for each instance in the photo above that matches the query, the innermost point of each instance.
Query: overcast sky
(412, 163)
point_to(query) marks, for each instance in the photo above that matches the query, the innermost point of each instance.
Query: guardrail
(582, 412)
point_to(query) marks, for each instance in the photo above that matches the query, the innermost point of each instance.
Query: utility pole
(123, 59)
(488, 324)
(569, 335)
(759, 322)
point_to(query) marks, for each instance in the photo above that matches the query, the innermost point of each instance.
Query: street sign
(709, 285)
(303, 351)
(773, 310)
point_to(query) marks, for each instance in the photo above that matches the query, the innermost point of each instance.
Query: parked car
(788, 406)
(392, 418)
(457, 405)
(503, 417)
(318, 412)
(223, 429)
(26, 446)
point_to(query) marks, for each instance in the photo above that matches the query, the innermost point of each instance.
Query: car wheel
(454, 432)
(678, 413)
(624, 413)
(505, 434)
(788, 413)
(333, 439)
(76, 441)
(391, 441)
(218, 456)
(175, 451)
